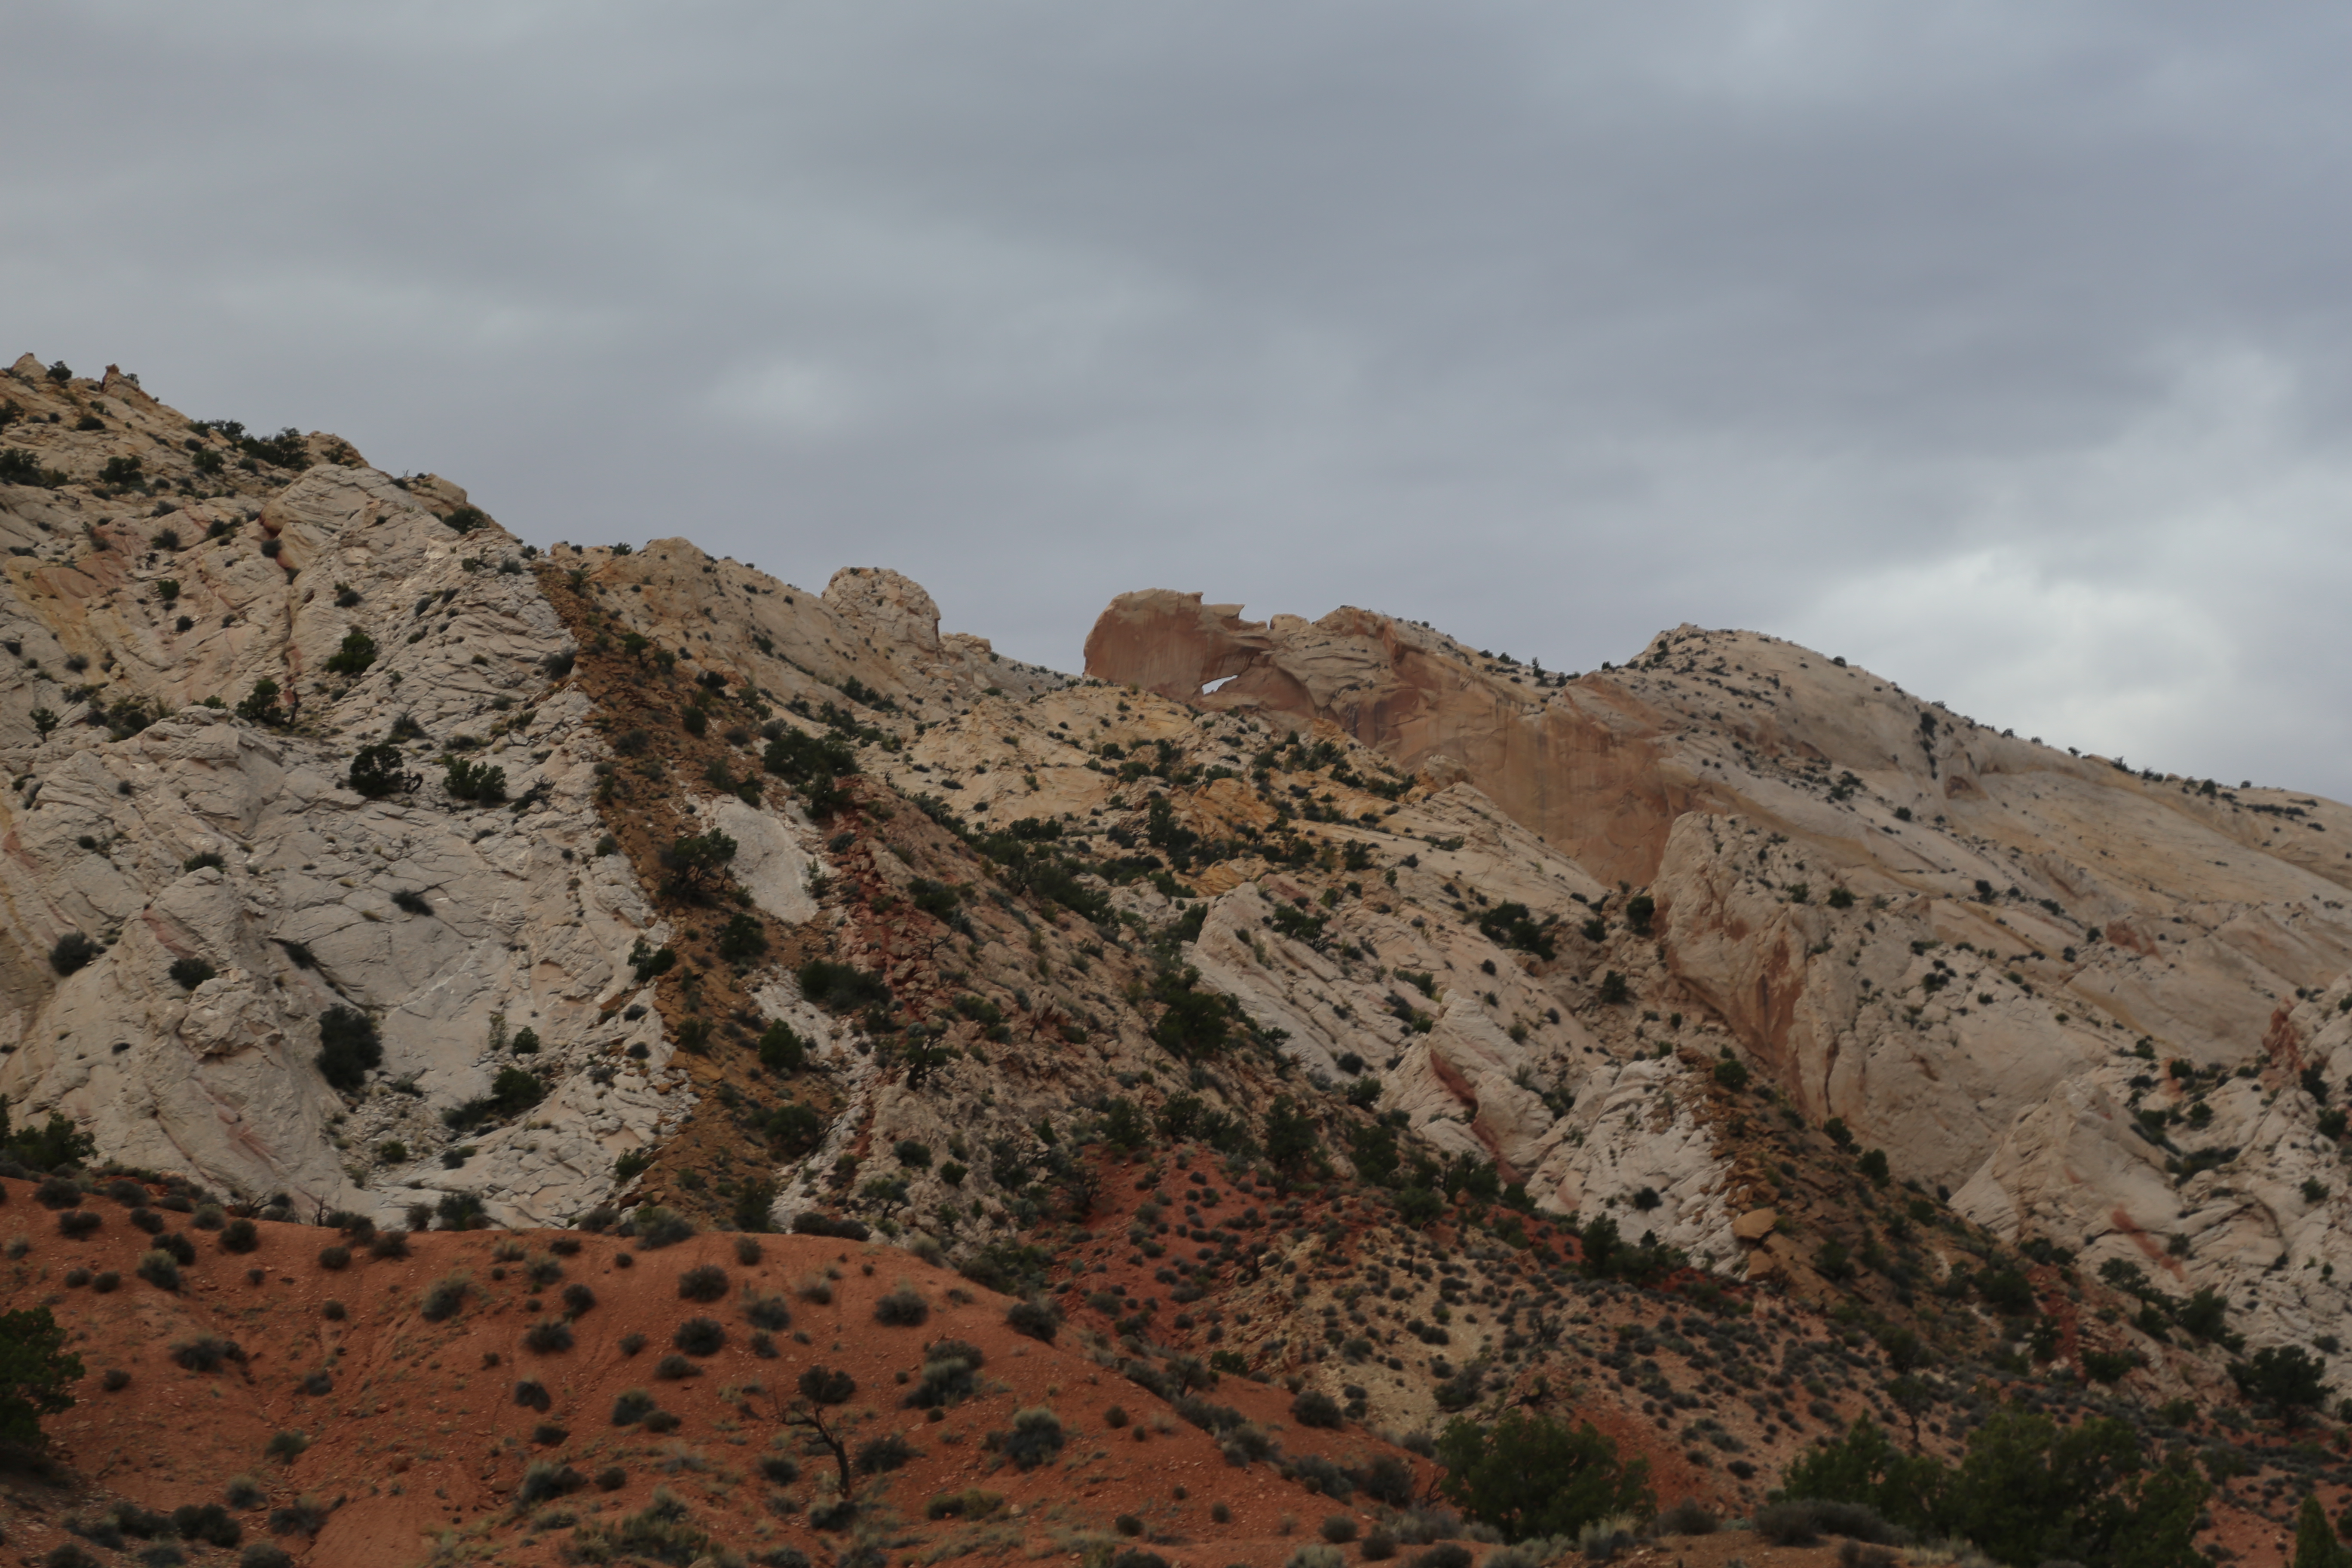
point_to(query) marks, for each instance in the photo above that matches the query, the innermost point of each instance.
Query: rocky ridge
(1346, 907)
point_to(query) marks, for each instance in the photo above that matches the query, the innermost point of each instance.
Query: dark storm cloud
(2000, 347)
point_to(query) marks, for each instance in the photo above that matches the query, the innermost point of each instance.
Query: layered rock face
(1976, 951)
(165, 832)
(1461, 914)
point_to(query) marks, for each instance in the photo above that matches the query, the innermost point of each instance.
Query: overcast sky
(2001, 347)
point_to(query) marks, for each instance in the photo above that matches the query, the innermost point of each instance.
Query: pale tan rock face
(2020, 918)
(110, 597)
(1578, 767)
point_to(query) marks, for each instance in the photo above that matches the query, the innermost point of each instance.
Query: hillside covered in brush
(1715, 1049)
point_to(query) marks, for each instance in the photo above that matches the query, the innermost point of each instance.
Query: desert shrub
(442, 1297)
(1529, 1475)
(190, 972)
(1378, 1547)
(770, 1313)
(655, 1227)
(357, 652)
(243, 1491)
(1038, 1320)
(780, 1469)
(72, 951)
(78, 1223)
(548, 1336)
(531, 1395)
(1787, 1524)
(544, 1479)
(676, 1368)
(903, 1308)
(1387, 1480)
(631, 1343)
(949, 1370)
(1316, 1557)
(288, 1446)
(1338, 1527)
(577, 1300)
(261, 1554)
(478, 782)
(377, 772)
(1688, 1516)
(824, 1386)
(208, 1523)
(700, 1336)
(348, 1048)
(706, 1282)
(388, 1244)
(239, 1235)
(1036, 1437)
(842, 987)
(1445, 1554)
(205, 1352)
(888, 1452)
(1314, 1407)
(304, 1516)
(632, 1406)
(334, 1257)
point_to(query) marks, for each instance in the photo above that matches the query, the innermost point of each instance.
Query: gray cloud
(2002, 348)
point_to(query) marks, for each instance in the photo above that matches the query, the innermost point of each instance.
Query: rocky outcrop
(1966, 947)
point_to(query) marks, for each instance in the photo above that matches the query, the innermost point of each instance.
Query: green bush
(548, 1336)
(377, 772)
(903, 1308)
(512, 1092)
(348, 1048)
(782, 1050)
(698, 862)
(1036, 1437)
(794, 1128)
(842, 987)
(2288, 1378)
(2027, 1490)
(190, 972)
(477, 781)
(704, 1282)
(741, 940)
(357, 652)
(1313, 1408)
(34, 1368)
(1528, 1475)
(260, 705)
(1510, 925)
(72, 951)
(442, 1297)
(824, 1385)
